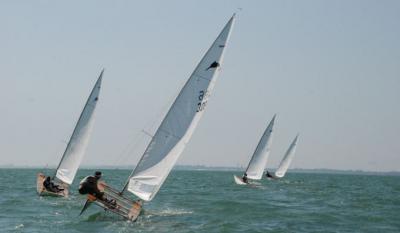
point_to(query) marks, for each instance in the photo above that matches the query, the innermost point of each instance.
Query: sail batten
(79, 139)
(287, 159)
(179, 123)
(259, 159)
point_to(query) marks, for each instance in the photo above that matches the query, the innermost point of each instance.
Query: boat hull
(239, 180)
(42, 191)
(271, 176)
(124, 207)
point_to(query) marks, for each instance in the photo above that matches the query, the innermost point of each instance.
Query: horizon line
(201, 167)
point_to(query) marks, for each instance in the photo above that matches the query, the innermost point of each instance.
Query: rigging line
(138, 137)
(147, 133)
(131, 145)
(148, 129)
(166, 106)
(157, 123)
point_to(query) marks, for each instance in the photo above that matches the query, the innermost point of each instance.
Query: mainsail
(179, 123)
(287, 159)
(258, 162)
(78, 142)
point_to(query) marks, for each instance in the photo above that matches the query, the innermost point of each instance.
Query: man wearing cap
(89, 186)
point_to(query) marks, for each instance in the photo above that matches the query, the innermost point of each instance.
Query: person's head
(48, 178)
(97, 174)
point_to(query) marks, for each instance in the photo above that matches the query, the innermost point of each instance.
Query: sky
(330, 70)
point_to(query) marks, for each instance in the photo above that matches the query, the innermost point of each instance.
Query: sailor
(269, 175)
(244, 178)
(50, 186)
(89, 186)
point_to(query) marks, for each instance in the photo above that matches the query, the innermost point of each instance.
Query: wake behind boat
(170, 138)
(258, 161)
(285, 163)
(66, 170)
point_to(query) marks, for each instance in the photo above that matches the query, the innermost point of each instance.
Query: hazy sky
(329, 69)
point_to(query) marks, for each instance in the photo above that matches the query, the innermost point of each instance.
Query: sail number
(203, 95)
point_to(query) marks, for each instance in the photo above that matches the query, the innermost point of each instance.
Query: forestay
(259, 159)
(78, 142)
(287, 159)
(179, 123)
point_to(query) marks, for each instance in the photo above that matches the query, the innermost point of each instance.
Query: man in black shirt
(269, 175)
(244, 178)
(50, 186)
(89, 186)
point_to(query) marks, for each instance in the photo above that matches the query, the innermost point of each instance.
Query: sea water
(210, 201)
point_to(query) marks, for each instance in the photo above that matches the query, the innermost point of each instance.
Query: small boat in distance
(258, 161)
(170, 139)
(285, 163)
(74, 152)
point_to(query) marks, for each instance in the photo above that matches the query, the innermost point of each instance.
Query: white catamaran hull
(42, 191)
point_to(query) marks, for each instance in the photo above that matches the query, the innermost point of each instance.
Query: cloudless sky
(329, 69)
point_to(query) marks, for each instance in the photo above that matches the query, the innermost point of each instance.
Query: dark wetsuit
(244, 178)
(89, 186)
(50, 186)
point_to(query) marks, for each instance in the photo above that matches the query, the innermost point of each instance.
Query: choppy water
(209, 201)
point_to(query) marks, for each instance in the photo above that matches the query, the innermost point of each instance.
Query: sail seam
(197, 75)
(169, 133)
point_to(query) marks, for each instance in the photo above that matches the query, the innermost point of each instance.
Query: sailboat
(75, 150)
(258, 161)
(171, 137)
(285, 163)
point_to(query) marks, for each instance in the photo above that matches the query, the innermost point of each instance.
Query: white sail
(287, 159)
(78, 142)
(258, 162)
(179, 123)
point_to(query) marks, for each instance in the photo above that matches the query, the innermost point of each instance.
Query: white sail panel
(179, 123)
(78, 142)
(287, 159)
(259, 159)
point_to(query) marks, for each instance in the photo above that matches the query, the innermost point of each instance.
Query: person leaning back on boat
(50, 186)
(89, 186)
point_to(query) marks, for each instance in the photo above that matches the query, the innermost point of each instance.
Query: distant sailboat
(75, 150)
(170, 138)
(285, 163)
(258, 161)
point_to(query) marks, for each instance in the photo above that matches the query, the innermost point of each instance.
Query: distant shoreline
(234, 169)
